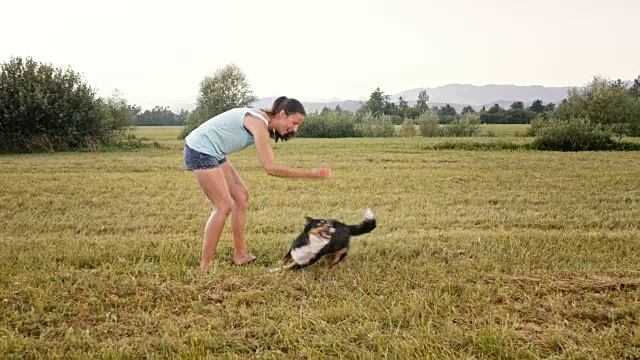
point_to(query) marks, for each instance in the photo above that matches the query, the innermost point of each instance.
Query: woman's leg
(240, 197)
(212, 182)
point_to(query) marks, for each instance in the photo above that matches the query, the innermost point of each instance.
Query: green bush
(428, 124)
(408, 128)
(468, 125)
(603, 102)
(342, 124)
(43, 108)
(330, 124)
(117, 117)
(376, 126)
(573, 135)
(537, 124)
(632, 127)
(396, 119)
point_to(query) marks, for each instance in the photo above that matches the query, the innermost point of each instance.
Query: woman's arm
(265, 153)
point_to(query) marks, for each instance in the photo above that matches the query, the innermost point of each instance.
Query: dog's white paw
(368, 214)
(274, 270)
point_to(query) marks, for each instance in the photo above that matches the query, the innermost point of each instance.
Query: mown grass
(477, 254)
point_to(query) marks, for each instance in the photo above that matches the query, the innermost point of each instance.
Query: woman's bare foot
(243, 259)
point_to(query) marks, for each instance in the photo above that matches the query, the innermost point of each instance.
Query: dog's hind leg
(338, 256)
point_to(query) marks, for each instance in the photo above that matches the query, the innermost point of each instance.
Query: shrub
(468, 125)
(428, 124)
(573, 135)
(632, 127)
(603, 102)
(376, 126)
(537, 124)
(408, 128)
(330, 124)
(396, 119)
(43, 108)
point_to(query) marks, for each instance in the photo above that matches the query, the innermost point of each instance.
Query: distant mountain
(456, 95)
(312, 107)
(481, 95)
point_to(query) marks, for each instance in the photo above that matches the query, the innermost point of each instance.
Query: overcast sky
(159, 51)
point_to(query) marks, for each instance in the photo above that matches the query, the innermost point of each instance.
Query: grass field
(477, 255)
(494, 130)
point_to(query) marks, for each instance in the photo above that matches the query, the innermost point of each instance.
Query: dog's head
(318, 227)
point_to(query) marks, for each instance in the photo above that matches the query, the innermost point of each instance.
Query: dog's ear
(307, 220)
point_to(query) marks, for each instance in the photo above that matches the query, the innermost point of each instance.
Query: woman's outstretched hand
(324, 171)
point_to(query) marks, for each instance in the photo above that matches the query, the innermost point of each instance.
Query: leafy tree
(618, 83)
(423, 98)
(517, 105)
(516, 116)
(635, 88)
(492, 116)
(226, 89)
(605, 103)
(377, 102)
(45, 108)
(412, 113)
(391, 109)
(161, 116)
(468, 110)
(447, 114)
(550, 107)
(403, 105)
(118, 115)
(182, 116)
(537, 107)
(495, 109)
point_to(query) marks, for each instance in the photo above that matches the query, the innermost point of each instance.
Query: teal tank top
(223, 134)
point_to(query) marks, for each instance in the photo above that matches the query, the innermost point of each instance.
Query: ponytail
(290, 106)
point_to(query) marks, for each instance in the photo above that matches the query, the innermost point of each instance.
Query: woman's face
(287, 124)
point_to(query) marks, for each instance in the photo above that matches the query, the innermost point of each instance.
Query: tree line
(47, 108)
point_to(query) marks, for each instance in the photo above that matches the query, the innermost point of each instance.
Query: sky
(159, 51)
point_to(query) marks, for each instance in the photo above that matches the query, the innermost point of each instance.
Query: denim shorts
(195, 160)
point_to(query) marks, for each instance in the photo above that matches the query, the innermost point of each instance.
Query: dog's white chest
(304, 254)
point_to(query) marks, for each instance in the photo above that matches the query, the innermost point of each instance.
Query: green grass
(492, 130)
(504, 129)
(477, 254)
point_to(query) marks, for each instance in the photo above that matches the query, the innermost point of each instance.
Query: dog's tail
(367, 225)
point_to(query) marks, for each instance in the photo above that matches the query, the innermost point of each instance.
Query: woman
(205, 154)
